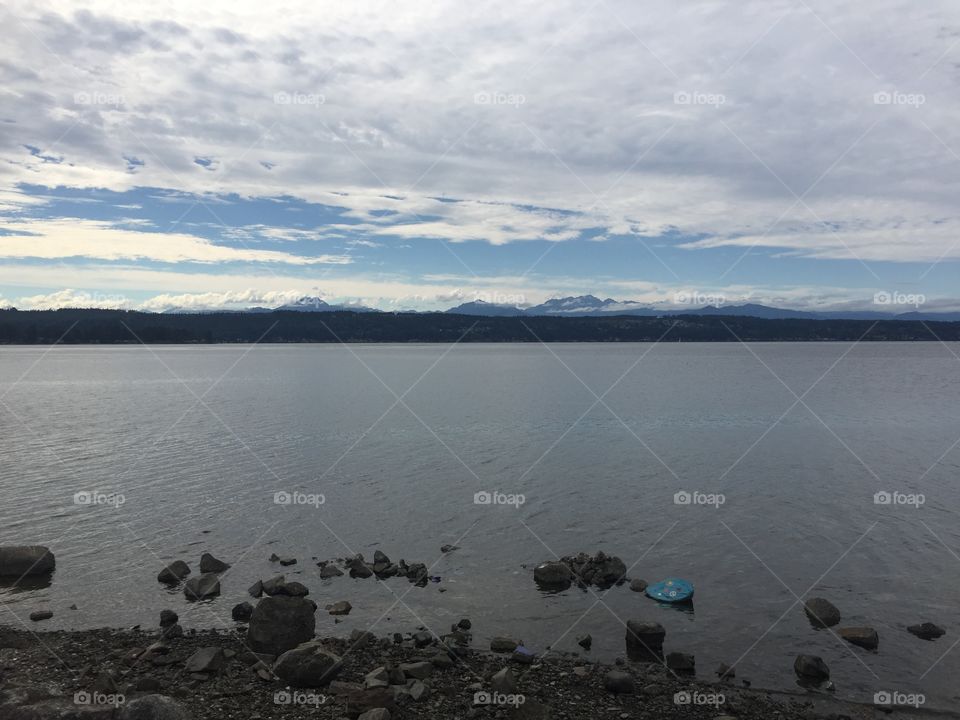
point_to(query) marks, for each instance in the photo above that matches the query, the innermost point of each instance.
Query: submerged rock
(339, 608)
(927, 631)
(645, 640)
(202, 587)
(638, 585)
(811, 667)
(209, 564)
(821, 612)
(22, 560)
(173, 573)
(553, 574)
(865, 637)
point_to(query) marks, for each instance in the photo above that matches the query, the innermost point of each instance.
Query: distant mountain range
(592, 306)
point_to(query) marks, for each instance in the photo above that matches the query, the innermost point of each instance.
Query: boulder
(602, 570)
(811, 668)
(173, 573)
(638, 585)
(242, 611)
(38, 615)
(309, 665)
(821, 612)
(205, 660)
(865, 637)
(619, 683)
(273, 585)
(22, 560)
(209, 564)
(293, 589)
(330, 571)
(280, 623)
(422, 638)
(341, 607)
(645, 640)
(256, 590)
(168, 618)
(502, 644)
(504, 682)
(153, 707)
(464, 624)
(927, 631)
(553, 574)
(202, 587)
(681, 662)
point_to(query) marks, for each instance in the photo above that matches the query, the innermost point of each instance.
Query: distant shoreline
(119, 327)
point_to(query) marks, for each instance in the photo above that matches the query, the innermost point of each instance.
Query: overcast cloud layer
(406, 155)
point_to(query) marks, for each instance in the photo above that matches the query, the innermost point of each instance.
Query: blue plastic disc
(671, 590)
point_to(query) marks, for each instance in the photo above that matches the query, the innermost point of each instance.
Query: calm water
(198, 441)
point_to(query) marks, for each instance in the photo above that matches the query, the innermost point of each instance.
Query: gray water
(198, 440)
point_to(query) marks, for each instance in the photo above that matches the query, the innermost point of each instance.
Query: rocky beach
(272, 664)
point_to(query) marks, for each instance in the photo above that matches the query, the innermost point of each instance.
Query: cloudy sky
(415, 155)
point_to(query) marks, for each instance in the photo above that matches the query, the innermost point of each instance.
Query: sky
(797, 153)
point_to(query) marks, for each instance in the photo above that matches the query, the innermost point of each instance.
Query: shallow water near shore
(198, 441)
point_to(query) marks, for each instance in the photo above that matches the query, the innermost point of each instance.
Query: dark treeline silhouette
(119, 326)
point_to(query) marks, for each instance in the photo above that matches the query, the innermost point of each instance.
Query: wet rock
(502, 644)
(25, 560)
(638, 585)
(330, 571)
(280, 623)
(553, 574)
(504, 682)
(202, 587)
(601, 570)
(205, 660)
(38, 615)
(821, 612)
(464, 624)
(585, 641)
(242, 611)
(256, 590)
(927, 631)
(422, 638)
(619, 683)
(865, 637)
(293, 589)
(209, 564)
(645, 640)
(449, 548)
(681, 662)
(309, 665)
(380, 560)
(168, 618)
(153, 707)
(287, 561)
(339, 608)
(361, 571)
(273, 585)
(811, 667)
(173, 573)
(171, 632)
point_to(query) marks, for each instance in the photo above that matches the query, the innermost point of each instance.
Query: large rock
(926, 631)
(202, 587)
(20, 560)
(330, 571)
(208, 659)
(553, 574)
(821, 612)
(173, 573)
(865, 637)
(309, 665)
(280, 623)
(645, 640)
(811, 668)
(153, 707)
(209, 564)
(242, 611)
(619, 683)
(602, 570)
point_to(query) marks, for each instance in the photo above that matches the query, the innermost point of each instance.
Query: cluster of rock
(382, 568)
(601, 570)
(204, 586)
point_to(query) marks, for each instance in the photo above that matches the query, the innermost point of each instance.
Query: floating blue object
(671, 590)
